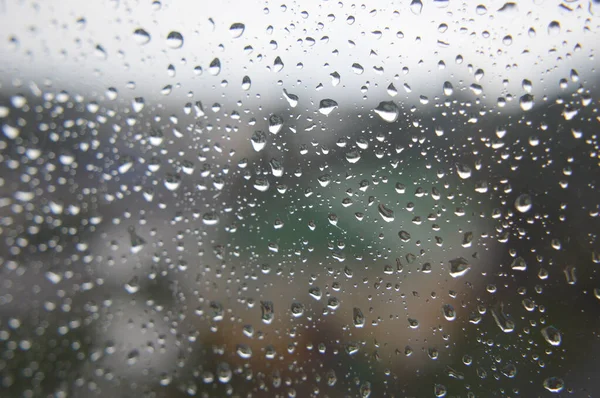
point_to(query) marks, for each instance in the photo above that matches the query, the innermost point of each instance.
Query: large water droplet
(141, 36)
(523, 203)
(385, 213)
(416, 7)
(326, 106)
(275, 124)
(237, 29)
(554, 384)
(459, 267)
(215, 67)
(526, 102)
(358, 318)
(388, 111)
(552, 335)
(258, 140)
(174, 40)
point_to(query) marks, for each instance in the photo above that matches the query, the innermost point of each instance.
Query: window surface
(299, 199)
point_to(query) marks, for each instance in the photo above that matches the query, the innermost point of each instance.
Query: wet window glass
(299, 199)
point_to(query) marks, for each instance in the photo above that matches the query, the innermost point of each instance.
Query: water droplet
(365, 390)
(385, 213)
(413, 323)
(174, 40)
(246, 83)
(258, 140)
(554, 384)
(440, 390)
(552, 335)
(132, 357)
(463, 171)
(244, 351)
(297, 310)
(210, 218)
(141, 36)
(416, 7)
(237, 29)
(292, 99)
(449, 312)
(388, 111)
(326, 106)
(554, 28)
(315, 292)
(278, 65)
(510, 370)
(137, 242)
(132, 286)
(404, 236)
(519, 264)
(523, 203)
(275, 124)
(267, 312)
(352, 156)
(358, 318)
(215, 67)
(502, 320)
(526, 102)
(459, 267)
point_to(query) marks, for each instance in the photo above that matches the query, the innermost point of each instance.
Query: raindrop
(463, 171)
(459, 267)
(523, 203)
(449, 312)
(174, 40)
(297, 310)
(326, 106)
(215, 67)
(275, 124)
(385, 213)
(554, 384)
(141, 36)
(246, 83)
(526, 102)
(388, 111)
(552, 335)
(292, 99)
(554, 28)
(416, 7)
(267, 312)
(236, 29)
(258, 140)
(278, 65)
(519, 264)
(358, 318)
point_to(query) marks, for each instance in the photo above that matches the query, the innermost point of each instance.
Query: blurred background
(257, 199)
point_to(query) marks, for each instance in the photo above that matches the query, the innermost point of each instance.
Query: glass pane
(303, 199)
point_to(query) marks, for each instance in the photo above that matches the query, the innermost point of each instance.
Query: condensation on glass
(301, 199)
